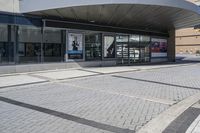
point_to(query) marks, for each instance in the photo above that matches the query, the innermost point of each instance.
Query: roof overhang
(159, 15)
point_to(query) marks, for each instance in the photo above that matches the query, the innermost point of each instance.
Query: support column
(172, 46)
(16, 44)
(10, 52)
(42, 41)
(63, 45)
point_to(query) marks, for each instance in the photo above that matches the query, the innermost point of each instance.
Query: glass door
(134, 55)
(144, 48)
(122, 53)
(122, 49)
(134, 49)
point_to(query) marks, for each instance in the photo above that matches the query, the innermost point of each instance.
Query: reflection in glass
(132, 49)
(121, 38)
(6, 48)
(122, 49)
(134, 39)
(52, 45)
(29, 49)
(145, 48)
(93, 46)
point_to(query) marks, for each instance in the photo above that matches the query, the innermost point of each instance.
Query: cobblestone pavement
(121, 102)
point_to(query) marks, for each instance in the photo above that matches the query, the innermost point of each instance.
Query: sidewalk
(101, 100)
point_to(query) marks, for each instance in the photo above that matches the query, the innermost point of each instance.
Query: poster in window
(109, 47)
(75, 46)
(159, 47)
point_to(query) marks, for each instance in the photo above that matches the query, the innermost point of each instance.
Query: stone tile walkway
(17, 80)
(92, 102)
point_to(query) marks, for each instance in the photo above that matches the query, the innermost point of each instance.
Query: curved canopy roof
(160, 15)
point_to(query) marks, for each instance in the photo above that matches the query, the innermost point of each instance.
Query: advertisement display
(158, 47)
(75, 46)
(109, 47)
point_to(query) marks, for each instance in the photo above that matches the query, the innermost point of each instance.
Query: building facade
(188, 39)
(108, 32)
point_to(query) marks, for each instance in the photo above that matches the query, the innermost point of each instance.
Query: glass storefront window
(93, 46)
(52, 50)
(134, 39)
(21, 50)
(48, 51)
(122, 48)
(29, 49)
(6, 46)
(145, 48)
(109, 47)
(121, 38)
(52, 45)
(134, 48)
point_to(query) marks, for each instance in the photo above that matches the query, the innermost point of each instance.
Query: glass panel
(29, 49)
(134, 54)
(56, 50)
(134, 48)
(21, 50)
(145, 48)
(144, 41)
(93, 46)
(52, 45)
(121, 38)
(48, 50)
(109, 47)
(122, 53)
(122, 49)
(6, 48)
(134, 38)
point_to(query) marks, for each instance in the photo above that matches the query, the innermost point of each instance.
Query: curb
(162, 121)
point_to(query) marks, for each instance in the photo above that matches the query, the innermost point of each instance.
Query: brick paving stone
(18, 80)
(16, 119)
(65, 74)
(183, 76)
(134, 88)
(103, 99)
(92, 105)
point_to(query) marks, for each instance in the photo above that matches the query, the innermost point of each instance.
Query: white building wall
(9, 6)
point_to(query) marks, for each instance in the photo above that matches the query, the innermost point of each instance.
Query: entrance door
(122, 53)
(145, 54)
(133, 49)
(134, 55)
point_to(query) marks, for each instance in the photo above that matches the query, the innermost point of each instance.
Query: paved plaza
(125, 99)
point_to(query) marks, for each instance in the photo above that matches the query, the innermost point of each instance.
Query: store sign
(158, 47)
(75, 46)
